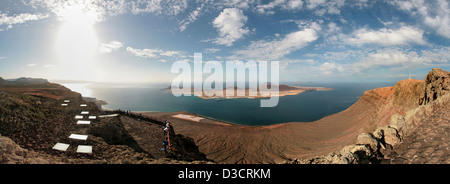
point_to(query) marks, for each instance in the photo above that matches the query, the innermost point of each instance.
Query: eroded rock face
(437, 84)
(407, 93)
(368, 139)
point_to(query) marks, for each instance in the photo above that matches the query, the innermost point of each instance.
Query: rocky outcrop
(407, 94)
(417, 100)
(352, 154)
(10, 151)
(437, 85)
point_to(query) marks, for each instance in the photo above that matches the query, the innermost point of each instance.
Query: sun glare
(76, 42)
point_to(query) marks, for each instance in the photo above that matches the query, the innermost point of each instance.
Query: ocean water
(304, 107)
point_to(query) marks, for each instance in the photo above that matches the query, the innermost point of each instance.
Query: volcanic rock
(437, 85)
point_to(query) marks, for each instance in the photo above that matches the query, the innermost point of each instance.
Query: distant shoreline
(284, 90)
(226, 142)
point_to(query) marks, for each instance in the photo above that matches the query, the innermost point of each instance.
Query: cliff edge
(418, 133)
(376, 111)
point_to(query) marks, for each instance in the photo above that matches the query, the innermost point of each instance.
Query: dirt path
(429, 143)
(149, 136)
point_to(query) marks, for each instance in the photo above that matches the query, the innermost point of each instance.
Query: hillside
(33, 120)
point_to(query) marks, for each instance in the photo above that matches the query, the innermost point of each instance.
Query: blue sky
(137, 41)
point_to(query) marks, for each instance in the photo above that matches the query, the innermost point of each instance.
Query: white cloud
(2, 58)
(287, 64)
(405, 35)
(319, 7)
(440, 22)
(91, 10)
(325, 6)
(263, 8)
(208, 6)
(311, 4)
(385, 23)
(100, 10)
(361, 3)
(153, 53)
(330, 67)
(284, 4)
(167, 7)
(230, 24)
(360, 61)
(144, 53)
(111, 46)
(434, 14)
(295, 4)
(191, 18)
(406, 5)
(170, 53)
(19, 19)
(386, 58)
(333, 28)
(241, 4)
(31, 64)
(211, 50)
(279, 47)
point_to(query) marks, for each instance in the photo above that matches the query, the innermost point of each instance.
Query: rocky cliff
(368, 126)
(423, 104)
(437, 84)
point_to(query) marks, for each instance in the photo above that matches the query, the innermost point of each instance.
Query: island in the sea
(283, 90)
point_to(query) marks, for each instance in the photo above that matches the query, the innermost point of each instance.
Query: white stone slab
(84, 149)
(188, 117)
(78, 137)
(66, 101)
(81, 122)
(61, 146)
(83, 105)
(79, 117)
(64, 105)
(92, 117)
(109, 115)
(84, 112)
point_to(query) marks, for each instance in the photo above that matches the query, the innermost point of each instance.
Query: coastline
(284, 90)
(224, 142)
(232, 143)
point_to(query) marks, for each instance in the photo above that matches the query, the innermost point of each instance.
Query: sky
(138, 41)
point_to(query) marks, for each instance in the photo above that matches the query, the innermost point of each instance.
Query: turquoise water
(304, 107)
